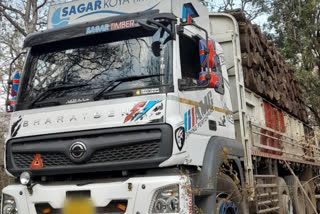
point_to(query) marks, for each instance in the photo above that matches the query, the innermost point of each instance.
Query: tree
(252, 8)
(296, 27)
(25, 18)
(17, 19)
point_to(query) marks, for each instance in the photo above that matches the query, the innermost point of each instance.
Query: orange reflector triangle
(37, 162)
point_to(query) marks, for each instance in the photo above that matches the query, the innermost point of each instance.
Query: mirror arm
(162, 26)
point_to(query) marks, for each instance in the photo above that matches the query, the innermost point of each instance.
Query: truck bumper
(137, 191)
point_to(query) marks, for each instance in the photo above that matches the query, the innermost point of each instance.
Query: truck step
(266, 185)
(264, 176)
(261, 195)
(267, 202)
(268, 210)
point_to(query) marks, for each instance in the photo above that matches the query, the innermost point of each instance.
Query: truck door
(206, 111)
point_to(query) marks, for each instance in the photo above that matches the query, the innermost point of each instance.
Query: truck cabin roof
(87, 28)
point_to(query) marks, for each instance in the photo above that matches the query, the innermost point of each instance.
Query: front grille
(106, 150)
(123, 153)
(119, 153)
(24, 160)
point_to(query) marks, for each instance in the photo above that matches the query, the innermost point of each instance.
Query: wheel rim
(227, 207)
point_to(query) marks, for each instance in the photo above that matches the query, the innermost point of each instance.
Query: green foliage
(295, 25)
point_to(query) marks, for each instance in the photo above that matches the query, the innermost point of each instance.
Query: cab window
(189, 57)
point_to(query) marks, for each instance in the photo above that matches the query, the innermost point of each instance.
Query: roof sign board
(83, 10)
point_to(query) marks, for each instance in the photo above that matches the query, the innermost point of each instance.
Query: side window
(189, 57)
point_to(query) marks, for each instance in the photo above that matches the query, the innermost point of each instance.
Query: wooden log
(268, 55)
(250, 29)
(270, 72)
(256, 59)
(247, 59)
(237, 14)
(246, 76)
(245, 43)
(270, 91)
(253, 45)
(265, 70)
(259, 83)
(252, 81)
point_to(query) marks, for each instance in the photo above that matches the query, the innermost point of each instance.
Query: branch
(12, 9)
(27, 16)
(16, 25)
(41, 5)
(315, 113)
(41, 23)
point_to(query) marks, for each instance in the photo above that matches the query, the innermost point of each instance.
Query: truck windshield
(92, 63)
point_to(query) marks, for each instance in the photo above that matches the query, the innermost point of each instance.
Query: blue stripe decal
(147, 108)
(189, 120)
(152, 7)
(113, 12)
(103, 11)
(185, 122)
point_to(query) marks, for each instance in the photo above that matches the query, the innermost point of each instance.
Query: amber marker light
(122, 207)
(46, 211)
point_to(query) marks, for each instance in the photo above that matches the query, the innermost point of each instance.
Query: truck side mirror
(13, 87)
(210, 80)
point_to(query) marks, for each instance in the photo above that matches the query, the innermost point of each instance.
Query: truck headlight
(8, 205)
(165, 200)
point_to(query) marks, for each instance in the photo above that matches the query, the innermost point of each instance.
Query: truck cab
(110, 106)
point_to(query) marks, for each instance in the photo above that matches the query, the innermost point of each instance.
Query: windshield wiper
(109, 87)
(54, 89)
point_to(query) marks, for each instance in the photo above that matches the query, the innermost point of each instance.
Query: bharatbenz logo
(69, 119)
(62, 16)
(77, 150)
(148, 111)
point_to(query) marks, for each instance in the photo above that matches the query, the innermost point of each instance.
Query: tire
(285, 201)
(229, 198)
(297, 195)
(307, 187)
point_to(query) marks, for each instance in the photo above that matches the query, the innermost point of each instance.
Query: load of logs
(265, 70)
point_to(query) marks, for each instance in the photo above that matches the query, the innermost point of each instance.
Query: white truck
(111, 117)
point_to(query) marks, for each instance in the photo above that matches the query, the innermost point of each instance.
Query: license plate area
(78, 202)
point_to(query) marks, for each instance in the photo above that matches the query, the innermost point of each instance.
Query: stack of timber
(265, 70)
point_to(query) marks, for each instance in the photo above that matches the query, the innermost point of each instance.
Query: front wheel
(229, 199)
